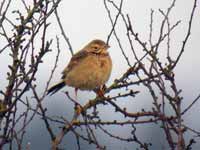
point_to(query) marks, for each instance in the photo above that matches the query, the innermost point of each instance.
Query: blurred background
(87, 20)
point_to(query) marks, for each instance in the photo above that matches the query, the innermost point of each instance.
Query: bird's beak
(107, 46)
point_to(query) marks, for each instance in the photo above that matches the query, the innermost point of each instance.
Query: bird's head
(97, 46)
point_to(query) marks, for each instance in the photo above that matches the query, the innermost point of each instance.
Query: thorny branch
(148, 71)
(155, 77)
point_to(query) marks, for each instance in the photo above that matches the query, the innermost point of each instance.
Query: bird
(89, 69)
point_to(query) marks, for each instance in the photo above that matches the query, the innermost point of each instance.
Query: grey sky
(86, 20)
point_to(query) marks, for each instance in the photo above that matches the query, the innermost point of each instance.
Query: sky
(87, 20)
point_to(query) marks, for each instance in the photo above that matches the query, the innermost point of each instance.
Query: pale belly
(90, 74)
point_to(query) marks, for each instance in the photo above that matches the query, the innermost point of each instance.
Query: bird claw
(101, 91)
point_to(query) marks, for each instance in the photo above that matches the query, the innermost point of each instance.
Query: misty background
(87, 20)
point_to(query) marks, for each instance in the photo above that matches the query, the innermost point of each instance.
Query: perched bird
(88, 69)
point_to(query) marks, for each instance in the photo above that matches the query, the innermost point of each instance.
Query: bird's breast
(92, 72)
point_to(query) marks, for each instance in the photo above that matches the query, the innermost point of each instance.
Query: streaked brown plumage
(88, 69)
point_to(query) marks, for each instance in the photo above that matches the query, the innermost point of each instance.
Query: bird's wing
(76, 58)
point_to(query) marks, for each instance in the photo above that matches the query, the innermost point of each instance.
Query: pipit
(88, 69)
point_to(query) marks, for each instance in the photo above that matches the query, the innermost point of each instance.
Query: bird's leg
(100, 91)
(103, 87)
(76, 92)
(77, 107)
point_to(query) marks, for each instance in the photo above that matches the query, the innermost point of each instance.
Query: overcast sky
(84, 20)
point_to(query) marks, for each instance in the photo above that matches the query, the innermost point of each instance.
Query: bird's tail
(52, 90)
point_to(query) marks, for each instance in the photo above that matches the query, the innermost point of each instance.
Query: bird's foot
(101, 91)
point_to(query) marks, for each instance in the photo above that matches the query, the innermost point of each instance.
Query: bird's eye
(95, 47)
